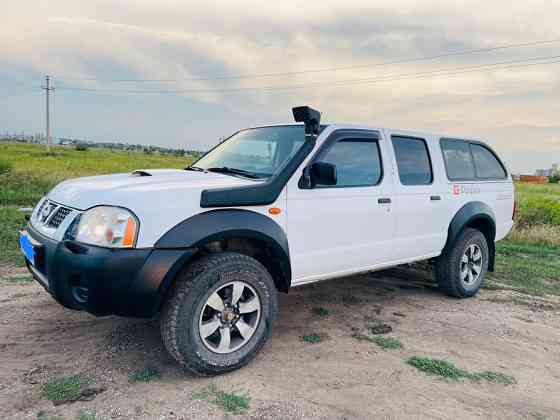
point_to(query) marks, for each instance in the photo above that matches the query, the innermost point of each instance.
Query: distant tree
(81, 147)
(554, 179)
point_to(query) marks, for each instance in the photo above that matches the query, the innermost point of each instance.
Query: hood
(160, 198)
(141, 185)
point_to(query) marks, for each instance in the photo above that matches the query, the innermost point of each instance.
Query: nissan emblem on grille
(46, 212)
(51, 214)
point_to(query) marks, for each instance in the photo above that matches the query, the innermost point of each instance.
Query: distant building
(536, 179)
(547, 172)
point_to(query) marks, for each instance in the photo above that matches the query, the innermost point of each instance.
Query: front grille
(59, 216)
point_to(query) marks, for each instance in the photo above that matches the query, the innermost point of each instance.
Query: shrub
(554, 179)
(80, 147)
(5, 167)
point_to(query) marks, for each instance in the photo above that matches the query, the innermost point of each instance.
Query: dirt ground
(338, 378)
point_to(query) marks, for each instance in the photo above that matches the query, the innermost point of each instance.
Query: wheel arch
(235, 230)
(477, 215)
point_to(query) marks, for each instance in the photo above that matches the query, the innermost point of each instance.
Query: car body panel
(325, 232)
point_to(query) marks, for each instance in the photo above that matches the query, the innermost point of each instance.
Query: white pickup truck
(270, 208)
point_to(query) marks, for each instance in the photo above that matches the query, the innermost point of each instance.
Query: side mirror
(323, 173)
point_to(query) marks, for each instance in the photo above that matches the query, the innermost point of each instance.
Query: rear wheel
(460, 270)
(219, 314)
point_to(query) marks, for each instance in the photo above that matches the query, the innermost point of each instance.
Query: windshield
(259, 152)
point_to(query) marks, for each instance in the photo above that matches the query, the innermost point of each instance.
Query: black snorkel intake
(265, 193)
(310, 117)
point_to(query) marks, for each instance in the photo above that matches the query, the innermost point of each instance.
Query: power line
(504, 65)
(324, 70)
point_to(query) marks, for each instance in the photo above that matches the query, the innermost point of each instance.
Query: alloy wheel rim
(230, 317)
(471, 265)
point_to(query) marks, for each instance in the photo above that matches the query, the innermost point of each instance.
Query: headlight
(107, 226)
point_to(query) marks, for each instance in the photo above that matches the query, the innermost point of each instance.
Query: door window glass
(357, 161)
(458, 159)
(413, 160)
(486, 163)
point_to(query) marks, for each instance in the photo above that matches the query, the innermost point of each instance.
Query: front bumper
(103, 281)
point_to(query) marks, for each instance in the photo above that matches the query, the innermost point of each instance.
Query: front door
(347, 227)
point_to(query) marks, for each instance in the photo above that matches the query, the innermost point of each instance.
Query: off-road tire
(448, 265)
(181, 311)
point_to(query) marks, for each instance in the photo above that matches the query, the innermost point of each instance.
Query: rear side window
(458, 160)
(486, 163)
(413, 160)
(357, 161)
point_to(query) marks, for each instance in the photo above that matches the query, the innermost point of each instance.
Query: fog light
(80, 294)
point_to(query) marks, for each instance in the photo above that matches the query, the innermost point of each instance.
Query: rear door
(419, 208)
(348, 227)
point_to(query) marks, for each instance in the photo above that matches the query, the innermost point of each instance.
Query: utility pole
(48, 90)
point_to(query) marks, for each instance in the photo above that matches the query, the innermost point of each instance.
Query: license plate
(27, 248)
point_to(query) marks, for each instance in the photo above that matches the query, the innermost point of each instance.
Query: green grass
(33, 172)
(230, 402)
(5, 167)
(537, 204)
(11, 220)
(145, 375)
(445, 369)
(27, 173)
(319, 311)
(387, 343)
(65, 388)
(312, 338)
(43, 415)
(526, 268)
(527, 190)
(84, 414)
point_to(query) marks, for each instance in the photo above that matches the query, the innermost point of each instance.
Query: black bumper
(103, 281)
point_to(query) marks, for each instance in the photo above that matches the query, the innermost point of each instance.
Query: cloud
(172, 39)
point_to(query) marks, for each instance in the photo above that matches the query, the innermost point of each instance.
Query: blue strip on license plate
(27, 248)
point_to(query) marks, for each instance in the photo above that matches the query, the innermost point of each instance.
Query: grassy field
(27, 173)
(528, 261)
(33, 172)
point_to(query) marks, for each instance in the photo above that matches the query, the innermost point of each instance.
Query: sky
(223, 65)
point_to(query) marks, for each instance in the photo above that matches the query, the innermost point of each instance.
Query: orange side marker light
(274, 210)
(129, 232)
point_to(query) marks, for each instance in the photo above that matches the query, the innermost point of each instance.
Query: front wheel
(460, 270)
(219, 314)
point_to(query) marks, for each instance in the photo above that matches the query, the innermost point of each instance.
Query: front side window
(257, 152)
(413, 160)
(486, 163)
(357, 161)
(458, 160)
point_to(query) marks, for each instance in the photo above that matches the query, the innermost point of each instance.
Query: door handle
(384, 200)
(435, 197)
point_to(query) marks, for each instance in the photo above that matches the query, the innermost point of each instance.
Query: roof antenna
(310, 117)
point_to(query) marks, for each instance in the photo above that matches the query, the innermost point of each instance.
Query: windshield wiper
(194, 168)
(234, 171)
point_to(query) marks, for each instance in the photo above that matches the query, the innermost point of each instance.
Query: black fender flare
(469, 215)
(214, 225)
